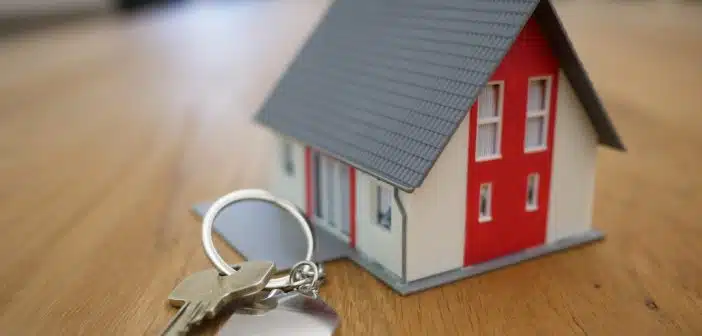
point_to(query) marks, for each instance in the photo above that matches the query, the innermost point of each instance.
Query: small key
(203, 294)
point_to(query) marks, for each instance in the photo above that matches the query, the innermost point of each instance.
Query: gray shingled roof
(383, 84)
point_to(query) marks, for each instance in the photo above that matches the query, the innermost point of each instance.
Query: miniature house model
(439, 139)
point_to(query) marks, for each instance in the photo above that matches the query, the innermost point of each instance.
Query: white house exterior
(435, 240)
(469, 147)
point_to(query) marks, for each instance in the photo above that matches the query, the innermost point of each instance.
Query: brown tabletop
(112, 128)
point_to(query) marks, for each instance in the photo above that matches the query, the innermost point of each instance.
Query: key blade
(180, 323)
(203, 294)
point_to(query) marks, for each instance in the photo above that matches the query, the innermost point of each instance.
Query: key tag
(296, 313)
(292, 305)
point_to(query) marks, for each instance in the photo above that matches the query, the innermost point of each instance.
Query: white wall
(437, 210)
(375, 242)
(573, 172)
(291, 188)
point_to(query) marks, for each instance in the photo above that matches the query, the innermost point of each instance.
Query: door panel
(345, 199)
(329, 194)
(330, 186)
(317, 184)
(332, 194)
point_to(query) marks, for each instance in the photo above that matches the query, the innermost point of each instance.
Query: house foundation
(258, 231)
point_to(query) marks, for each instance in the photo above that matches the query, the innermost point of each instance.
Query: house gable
(573, 68)
(383, 85)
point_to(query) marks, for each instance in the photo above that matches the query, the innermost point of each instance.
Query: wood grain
(111, 129)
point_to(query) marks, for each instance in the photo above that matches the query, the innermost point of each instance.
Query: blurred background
(18, 16)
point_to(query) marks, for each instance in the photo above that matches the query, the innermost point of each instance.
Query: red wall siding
(512, 228)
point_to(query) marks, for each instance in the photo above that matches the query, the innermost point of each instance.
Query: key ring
(282, 282)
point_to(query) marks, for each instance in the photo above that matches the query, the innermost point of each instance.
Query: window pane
(484, 201)
(488, 101)
(532, 191)
(288, 158)
(384, 206)
(487, 140)
(535, 129)
(537, 95)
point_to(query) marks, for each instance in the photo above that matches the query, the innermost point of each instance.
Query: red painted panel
(512, 228)
(352, 207)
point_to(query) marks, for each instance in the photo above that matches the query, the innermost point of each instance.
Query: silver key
(203, 294)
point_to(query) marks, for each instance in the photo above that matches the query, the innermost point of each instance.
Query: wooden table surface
(111, 129)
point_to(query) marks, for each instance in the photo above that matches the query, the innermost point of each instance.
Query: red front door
(510, 146)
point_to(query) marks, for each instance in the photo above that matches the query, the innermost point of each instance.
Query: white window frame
(487, 217)
(379, 188)
(491, 120)
(532, 206)
(287, 154)
(537, 114)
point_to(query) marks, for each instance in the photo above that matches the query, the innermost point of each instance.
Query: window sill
(531, 208)
(485, 219)
(488, 158)
(383, 226)
(537, 113)
(535, 149)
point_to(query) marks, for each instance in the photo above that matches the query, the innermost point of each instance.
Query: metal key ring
(250, 195)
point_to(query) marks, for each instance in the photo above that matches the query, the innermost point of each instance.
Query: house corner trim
(403, 214)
